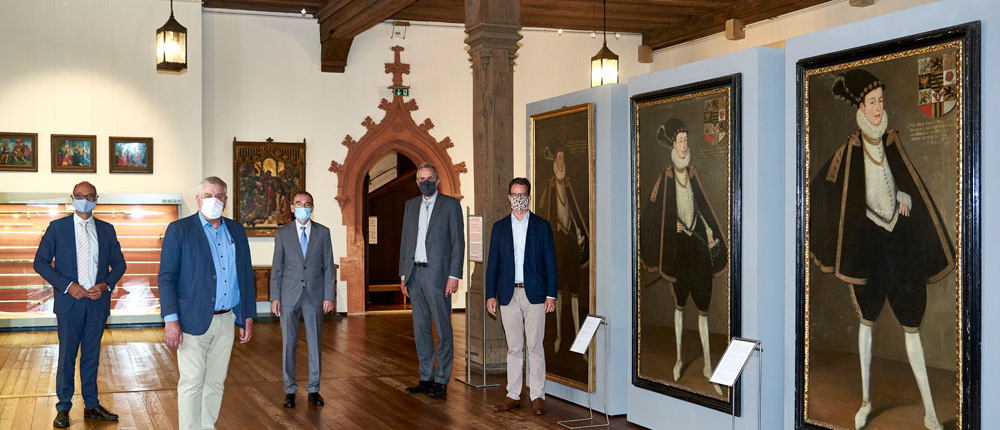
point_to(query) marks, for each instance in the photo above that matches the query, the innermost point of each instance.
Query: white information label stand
(580, 344)
(731, 366)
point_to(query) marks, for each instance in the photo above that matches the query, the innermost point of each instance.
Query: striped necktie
(83, 255)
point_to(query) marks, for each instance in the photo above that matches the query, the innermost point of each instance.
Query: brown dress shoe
(538, 406)
(508, 404)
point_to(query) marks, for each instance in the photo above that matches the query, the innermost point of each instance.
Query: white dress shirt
(426, 208)
(91, 232)
(520, 229)
(298, 229)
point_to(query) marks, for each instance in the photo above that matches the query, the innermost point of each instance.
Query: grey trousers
(312, 316)
(430, 304)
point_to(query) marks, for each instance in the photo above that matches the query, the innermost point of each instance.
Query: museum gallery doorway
(388, 185)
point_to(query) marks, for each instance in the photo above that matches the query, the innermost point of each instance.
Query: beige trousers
(203, 362)
(524, 321)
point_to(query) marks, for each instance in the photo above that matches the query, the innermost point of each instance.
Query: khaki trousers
(203, 362)
(524, 321)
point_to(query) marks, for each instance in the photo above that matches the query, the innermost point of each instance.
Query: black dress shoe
(315, 399)
(422, 387)
(289, 401)
(62, 420)
(438, 390)
(99, 413)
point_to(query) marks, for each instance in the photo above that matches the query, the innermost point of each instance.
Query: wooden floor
(367, 361)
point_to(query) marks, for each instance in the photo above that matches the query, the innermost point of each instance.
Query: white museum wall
(262, 79)
(88, 67)
(762, 267)
(778, 29)
(612, 280)
(901, 24)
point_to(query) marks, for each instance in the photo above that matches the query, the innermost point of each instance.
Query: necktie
(83, 255)
(303, 241)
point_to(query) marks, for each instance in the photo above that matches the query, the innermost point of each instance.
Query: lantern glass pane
(610, 71)
(595, 73)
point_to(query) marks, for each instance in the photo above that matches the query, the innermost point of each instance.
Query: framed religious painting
(562, 178)
(74, 153)
(265, 176)
(887, 240)
(686, 228)
(130, 154)
(18, 152)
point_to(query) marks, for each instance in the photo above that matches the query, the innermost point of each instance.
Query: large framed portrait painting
(887, 247)
(562, 178)
(266, 175)
(686, 214)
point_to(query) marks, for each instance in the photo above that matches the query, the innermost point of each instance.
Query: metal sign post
(604, 390)
(468, 304)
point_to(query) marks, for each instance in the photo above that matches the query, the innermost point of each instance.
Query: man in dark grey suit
(431, 253)
(303, 281)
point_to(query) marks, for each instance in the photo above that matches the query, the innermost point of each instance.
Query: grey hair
(214, 180)
(428, 166)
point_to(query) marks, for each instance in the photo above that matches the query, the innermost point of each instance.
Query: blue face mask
(84, 205)
(302, 214)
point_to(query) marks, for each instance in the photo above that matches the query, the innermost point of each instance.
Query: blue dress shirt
(220, 242)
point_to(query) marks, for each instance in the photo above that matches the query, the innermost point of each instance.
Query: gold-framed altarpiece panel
(887, 235)
(561, 172)
(686, 213)
(265, 176)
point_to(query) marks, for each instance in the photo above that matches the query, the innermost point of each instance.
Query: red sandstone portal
(396, 132)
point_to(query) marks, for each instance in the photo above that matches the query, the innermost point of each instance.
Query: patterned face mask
(518, 202)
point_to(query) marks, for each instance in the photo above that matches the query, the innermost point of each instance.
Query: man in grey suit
(431, 253)
(303, 281)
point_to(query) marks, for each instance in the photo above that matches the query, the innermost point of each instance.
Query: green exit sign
(404, 92)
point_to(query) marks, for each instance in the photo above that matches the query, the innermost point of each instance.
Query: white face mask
(212, 208)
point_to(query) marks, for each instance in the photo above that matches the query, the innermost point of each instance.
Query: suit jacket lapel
(435, 213)
(312, 240)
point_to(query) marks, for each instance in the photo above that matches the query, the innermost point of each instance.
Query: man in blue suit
(522, 273)
(88, 264)
(206, 285)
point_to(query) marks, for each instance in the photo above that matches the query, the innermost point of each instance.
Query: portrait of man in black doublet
(692, 249)
(874, 225)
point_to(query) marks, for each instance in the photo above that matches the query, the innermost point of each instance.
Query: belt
(518, 285)
(420, 263)
(221, 312)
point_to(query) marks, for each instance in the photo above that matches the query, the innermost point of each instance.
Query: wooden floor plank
(367, 363)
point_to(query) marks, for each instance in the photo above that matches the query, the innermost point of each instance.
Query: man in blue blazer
(522, 273)
(88, 264)
(206, 285)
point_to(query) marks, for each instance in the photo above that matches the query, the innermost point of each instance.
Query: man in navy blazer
(88, 264)
(522, 273)
(206, 285)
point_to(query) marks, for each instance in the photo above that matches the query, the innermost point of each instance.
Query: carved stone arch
(398, 132)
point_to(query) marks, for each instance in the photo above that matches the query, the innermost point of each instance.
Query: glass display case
(140, 221)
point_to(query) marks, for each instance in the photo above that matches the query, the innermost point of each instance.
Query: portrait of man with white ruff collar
(685, 146)
(879, 297)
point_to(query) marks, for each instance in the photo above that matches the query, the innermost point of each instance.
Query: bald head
(85, 190)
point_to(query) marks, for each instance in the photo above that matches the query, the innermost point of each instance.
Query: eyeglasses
(304, 205)
(90, 197)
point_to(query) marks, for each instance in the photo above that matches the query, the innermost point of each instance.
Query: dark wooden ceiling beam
(341, 20)
(311, 6)
(747, 11)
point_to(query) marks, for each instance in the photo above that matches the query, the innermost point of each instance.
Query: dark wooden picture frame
(140, 160)
(937, 120)
(265, 175)
(566, 136)
(66, 153)
(710, 109)
(13, 146)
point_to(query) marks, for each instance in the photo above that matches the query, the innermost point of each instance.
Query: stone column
(493, 33)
